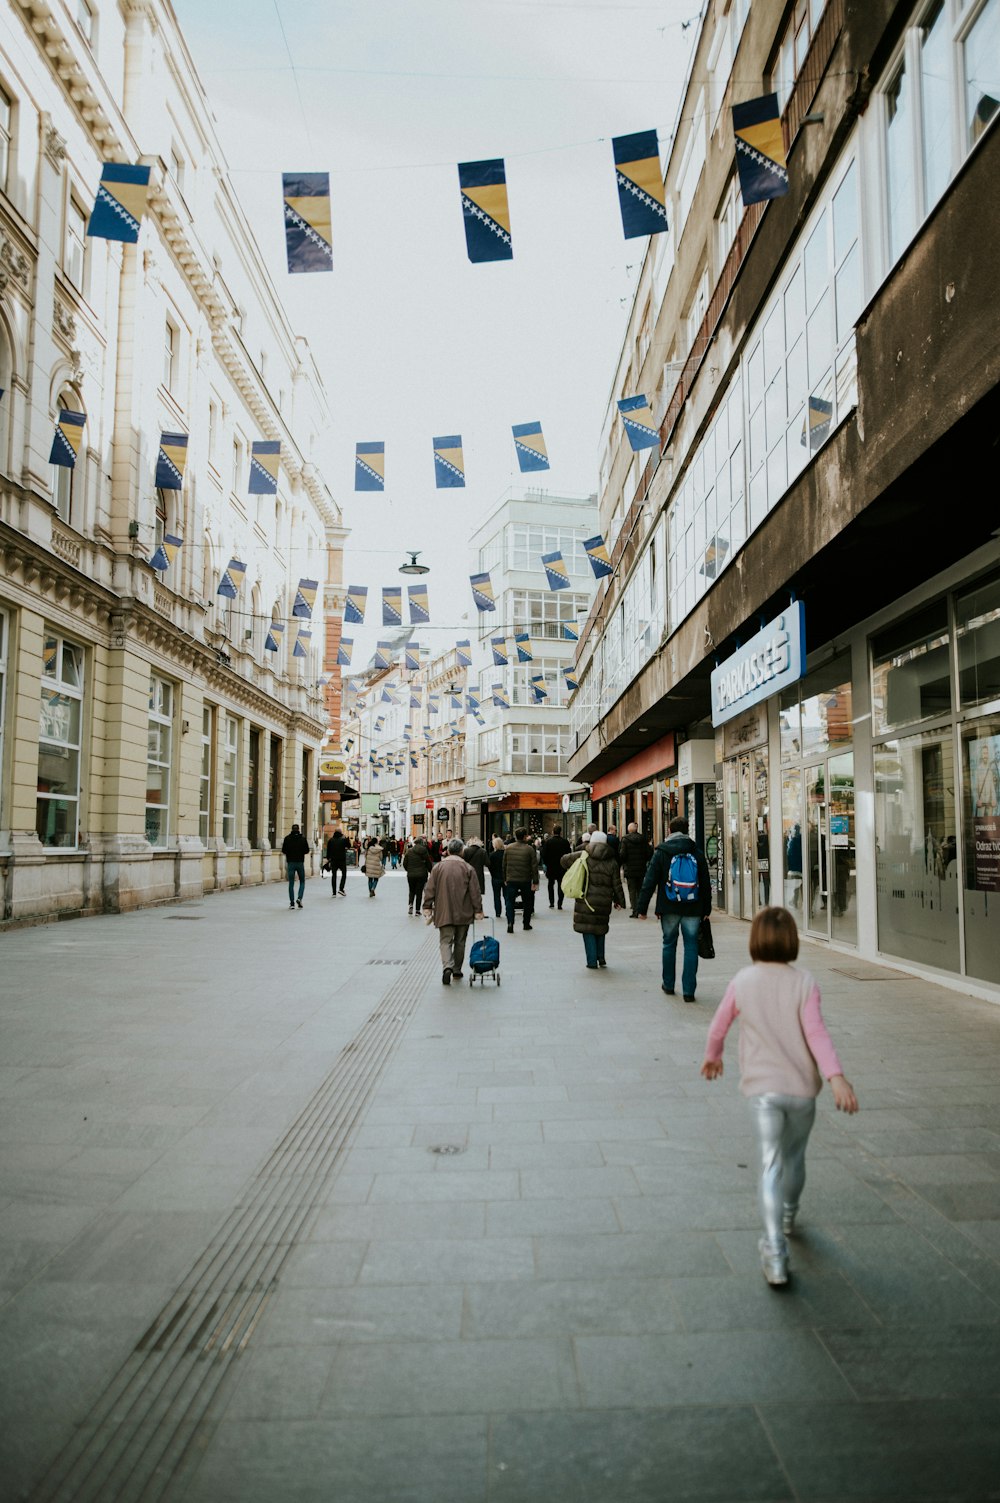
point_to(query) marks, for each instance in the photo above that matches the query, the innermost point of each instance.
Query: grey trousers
(781, 1125)
(451, 938)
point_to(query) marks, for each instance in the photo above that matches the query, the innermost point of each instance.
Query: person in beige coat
(452, 899)
(374, 866)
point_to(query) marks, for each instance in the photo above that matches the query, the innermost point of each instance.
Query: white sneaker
(774, 1266)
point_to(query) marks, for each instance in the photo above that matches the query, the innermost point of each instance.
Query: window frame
(68, 689)
(162, 692)
(8, 107)
(205, 774)
(74, 257)
(230, 785)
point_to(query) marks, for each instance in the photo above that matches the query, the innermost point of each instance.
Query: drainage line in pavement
(176, 1376)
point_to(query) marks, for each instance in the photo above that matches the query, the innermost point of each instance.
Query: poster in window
(984, 787)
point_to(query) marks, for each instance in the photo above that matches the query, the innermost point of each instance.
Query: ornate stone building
(151, 746)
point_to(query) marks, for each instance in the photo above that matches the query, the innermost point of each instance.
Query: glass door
(732, 838)
(815, 873)
(748, 838)
(843, 885)
(761, 845)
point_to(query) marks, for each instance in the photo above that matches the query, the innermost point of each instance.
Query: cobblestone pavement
(284, 1219)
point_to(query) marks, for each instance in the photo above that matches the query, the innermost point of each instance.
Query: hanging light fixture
(413, 567)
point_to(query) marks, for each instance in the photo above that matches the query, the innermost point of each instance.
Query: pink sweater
(782, 1034)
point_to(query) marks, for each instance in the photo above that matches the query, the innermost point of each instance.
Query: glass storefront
(746, 833)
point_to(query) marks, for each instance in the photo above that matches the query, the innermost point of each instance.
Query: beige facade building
(151, 747)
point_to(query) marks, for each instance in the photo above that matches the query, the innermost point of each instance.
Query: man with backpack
(678, 873)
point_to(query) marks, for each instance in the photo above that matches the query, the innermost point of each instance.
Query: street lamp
(413, 567)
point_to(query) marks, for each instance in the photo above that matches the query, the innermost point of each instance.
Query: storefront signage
(565, 803)
(769, 662)
(984, 782)
(331, 767)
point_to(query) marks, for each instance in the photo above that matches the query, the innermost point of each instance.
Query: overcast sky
(412, 339)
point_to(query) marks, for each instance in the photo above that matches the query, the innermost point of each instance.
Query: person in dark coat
(553, 850)
(683, 918)
(475, 855)
(615, 843)
(336, 860)
(295, 849)
(635, 855)
(417, 865)
(592, 914)
(495, 862)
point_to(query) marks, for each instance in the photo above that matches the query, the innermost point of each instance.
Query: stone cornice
(46, 24)
(50, 578)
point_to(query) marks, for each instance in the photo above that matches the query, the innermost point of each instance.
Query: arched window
(64, 483)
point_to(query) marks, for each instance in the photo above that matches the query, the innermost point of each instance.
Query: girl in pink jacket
(784, 1046)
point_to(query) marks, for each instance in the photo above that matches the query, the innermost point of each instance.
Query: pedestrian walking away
(453, 900)
(496, 873)
(615, 843)
(295, 849)
(475, 855)
(417, 865)
(374, 866)
(678, 873)
(520, 877)
(336, 860)
(634, 856)
(592, 912)
(785, 1051)
(553, 850)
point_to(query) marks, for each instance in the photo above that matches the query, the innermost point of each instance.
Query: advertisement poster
(984, 787)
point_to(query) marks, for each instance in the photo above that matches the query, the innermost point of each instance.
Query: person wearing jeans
(295, 849)
(676, 915)
(520, 875)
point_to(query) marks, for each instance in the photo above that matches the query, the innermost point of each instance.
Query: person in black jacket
(635, 855)
(336, 860)
(475, 855)
(553, 850)
(495, 863)
(677, 917)
(295, 849)
(417, 865)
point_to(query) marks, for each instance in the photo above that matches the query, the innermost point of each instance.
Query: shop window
(158, 758)
(977, 629)
(205, 776)
(57, 807)
(4, 649)
(230, 770)
(911, 671)
(827, 708)
(981, 834)
(916, 870)
(253, 786)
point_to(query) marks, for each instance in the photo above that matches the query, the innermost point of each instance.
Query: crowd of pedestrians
(785, 1051)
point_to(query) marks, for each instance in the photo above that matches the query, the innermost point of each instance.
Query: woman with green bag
(601, 884)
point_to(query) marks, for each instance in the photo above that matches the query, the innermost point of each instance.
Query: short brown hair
(773, 935)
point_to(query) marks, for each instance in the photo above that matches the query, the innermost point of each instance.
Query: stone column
(121, 835)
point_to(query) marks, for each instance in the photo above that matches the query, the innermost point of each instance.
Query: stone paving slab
(565, 1305)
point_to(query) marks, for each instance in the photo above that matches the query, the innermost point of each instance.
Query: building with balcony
(152, 746)
(800, 644)
(517, 763)
(438, 727)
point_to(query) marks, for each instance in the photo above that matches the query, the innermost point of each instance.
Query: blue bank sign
(770, 661)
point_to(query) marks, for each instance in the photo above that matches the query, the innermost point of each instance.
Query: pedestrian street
(282, 1218)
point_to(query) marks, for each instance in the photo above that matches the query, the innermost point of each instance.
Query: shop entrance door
(830, 868)
(747, 863)
(816, 876)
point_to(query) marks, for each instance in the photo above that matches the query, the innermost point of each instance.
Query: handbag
(706, 944)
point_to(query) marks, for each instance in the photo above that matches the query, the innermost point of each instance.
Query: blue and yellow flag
(383, 655)
(449, 463)
(482, 592)
(170, 461)
(232, 579)
(419, 609)
(67, 438)
(555, 571)
(596, 550)
(414, 699)
(522, 641)
(538, 688)
(411, 656)
(275, 632)
(571, 631)
(369, 467)
(640, 424)
(354, 606)
(569, 674)
(305, 598)
(433, 703)
(499, 646)
(641, 194)
(392, 605)
(120, 203)
(816, 424)
(308, 230)
(379, 723)
(166, 552)
(265, 458)
(483, 187)
(471, 701)
(760, 149)
(344, 652)
(413, 759)
(715, 556)
(529, 445)
(301, 643)
(387, 697)
(500, 698)
(463, 651)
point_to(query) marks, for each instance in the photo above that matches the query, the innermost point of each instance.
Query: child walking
(784, 1046)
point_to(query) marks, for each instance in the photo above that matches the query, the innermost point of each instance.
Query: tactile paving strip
(141, 1436)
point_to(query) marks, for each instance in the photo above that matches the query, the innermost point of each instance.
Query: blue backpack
(681, 885)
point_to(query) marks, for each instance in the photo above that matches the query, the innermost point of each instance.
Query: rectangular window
(543, 613)
(57, 808)
(253, 788)
(171, 348)
(62, 491)
(74, 257)
(6, 134)
(981, 837)
(981, 71)
(537, 748)
(158, 758)
(205, 778)
(237, 465)
(177, 167)
(911, 673)
(916, 874)
(230, 770)
(727, 220)
(85, 20)
(213, 433)
(977, 628)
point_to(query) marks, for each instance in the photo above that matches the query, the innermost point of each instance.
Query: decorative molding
(53, 144)
(14, 267)
(65, 323)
